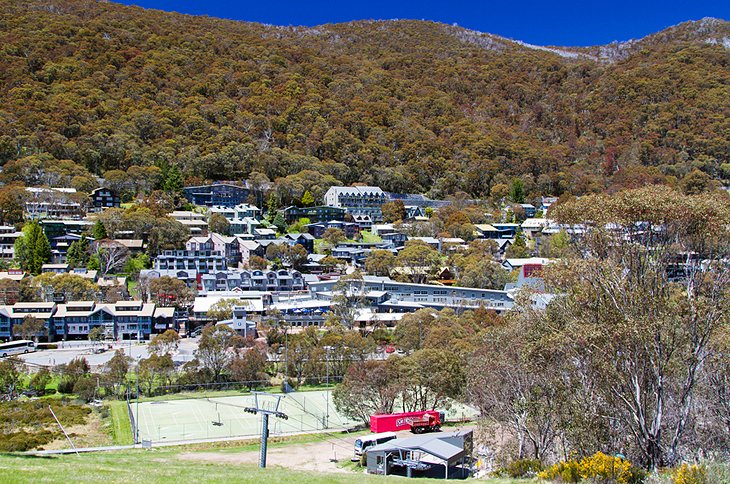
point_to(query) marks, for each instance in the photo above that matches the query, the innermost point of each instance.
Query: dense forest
(92, 89)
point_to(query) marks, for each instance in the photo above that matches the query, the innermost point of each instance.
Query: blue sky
(540, 22)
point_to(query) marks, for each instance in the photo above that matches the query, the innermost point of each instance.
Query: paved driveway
(69, 350)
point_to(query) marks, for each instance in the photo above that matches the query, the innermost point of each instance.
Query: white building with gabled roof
(358, 200)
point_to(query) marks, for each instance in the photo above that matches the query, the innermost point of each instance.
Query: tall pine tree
(98, 231)
(32, 250)
(78, 253)
(173, 181)
(307, 199)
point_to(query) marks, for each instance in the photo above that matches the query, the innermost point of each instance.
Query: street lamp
(327, 385)
(136, 418)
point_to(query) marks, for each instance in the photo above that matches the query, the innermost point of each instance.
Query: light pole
(286, 353)
(136, 418)
(327, 385)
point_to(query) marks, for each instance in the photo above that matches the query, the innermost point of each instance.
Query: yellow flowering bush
(689, 474)
(599, 467)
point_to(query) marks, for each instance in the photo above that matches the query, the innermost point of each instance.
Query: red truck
(416, 422)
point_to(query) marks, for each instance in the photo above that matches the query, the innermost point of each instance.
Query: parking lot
(69, 350)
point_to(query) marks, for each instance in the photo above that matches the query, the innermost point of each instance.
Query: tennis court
(221, 417)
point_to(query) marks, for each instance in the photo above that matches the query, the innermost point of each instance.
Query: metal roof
(433, 444)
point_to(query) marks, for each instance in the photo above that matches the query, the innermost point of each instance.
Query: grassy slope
(370, 237)
(159, 465)
(139, 466)
(121, 427)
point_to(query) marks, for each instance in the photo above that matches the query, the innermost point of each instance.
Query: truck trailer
(416, 422)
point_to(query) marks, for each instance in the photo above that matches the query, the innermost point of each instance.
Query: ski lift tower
(269, 405)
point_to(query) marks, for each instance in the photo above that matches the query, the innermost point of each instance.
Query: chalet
(55, 268)
(75, 319)
(532, 227)
(53, 203)
(365, 222)
(8, 236)
(486, 231)
(217, 194)
(253, 280)
(102, 198)
(58, 228)
(228, 246)
(264, 234)
(350, 229)
(202, 261)
(547, 202)
(249, 248)
(432, 241)
(506, 230)
(358, 200)
(512, 264)
(529, 209)
(255, 303)
(245, 226)
(414, 211)
(135, 246)
(394, 239)
(320, 213)
(380, 229)
(188, 276)
(415, 199)
(60, 246)
(305, 240)
(237, 212)
(195, 222)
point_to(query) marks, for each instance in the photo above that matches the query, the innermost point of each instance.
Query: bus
(364, 443)
(16, 347)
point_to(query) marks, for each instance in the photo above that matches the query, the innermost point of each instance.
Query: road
(69, 350)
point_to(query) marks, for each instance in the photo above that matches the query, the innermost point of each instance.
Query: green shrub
(85, 388)
(35, 412)
(66, 385)
(521, 468)
(22, 440)
(718, 471)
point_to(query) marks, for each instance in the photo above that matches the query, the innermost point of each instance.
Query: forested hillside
(407, 105)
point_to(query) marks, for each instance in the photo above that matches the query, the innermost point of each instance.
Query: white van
(364, 443)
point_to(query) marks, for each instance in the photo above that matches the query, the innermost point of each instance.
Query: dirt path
(312, 456)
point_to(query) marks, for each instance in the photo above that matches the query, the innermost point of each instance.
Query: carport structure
(422, 453)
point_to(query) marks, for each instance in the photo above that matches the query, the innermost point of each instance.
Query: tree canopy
(154, 100)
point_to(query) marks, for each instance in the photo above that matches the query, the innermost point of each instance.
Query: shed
(423, 453)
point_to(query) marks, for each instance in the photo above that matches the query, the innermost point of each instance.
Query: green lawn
(133, 288)
(121, 427)
(165, 465)
(157, 465)
(370, 237)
